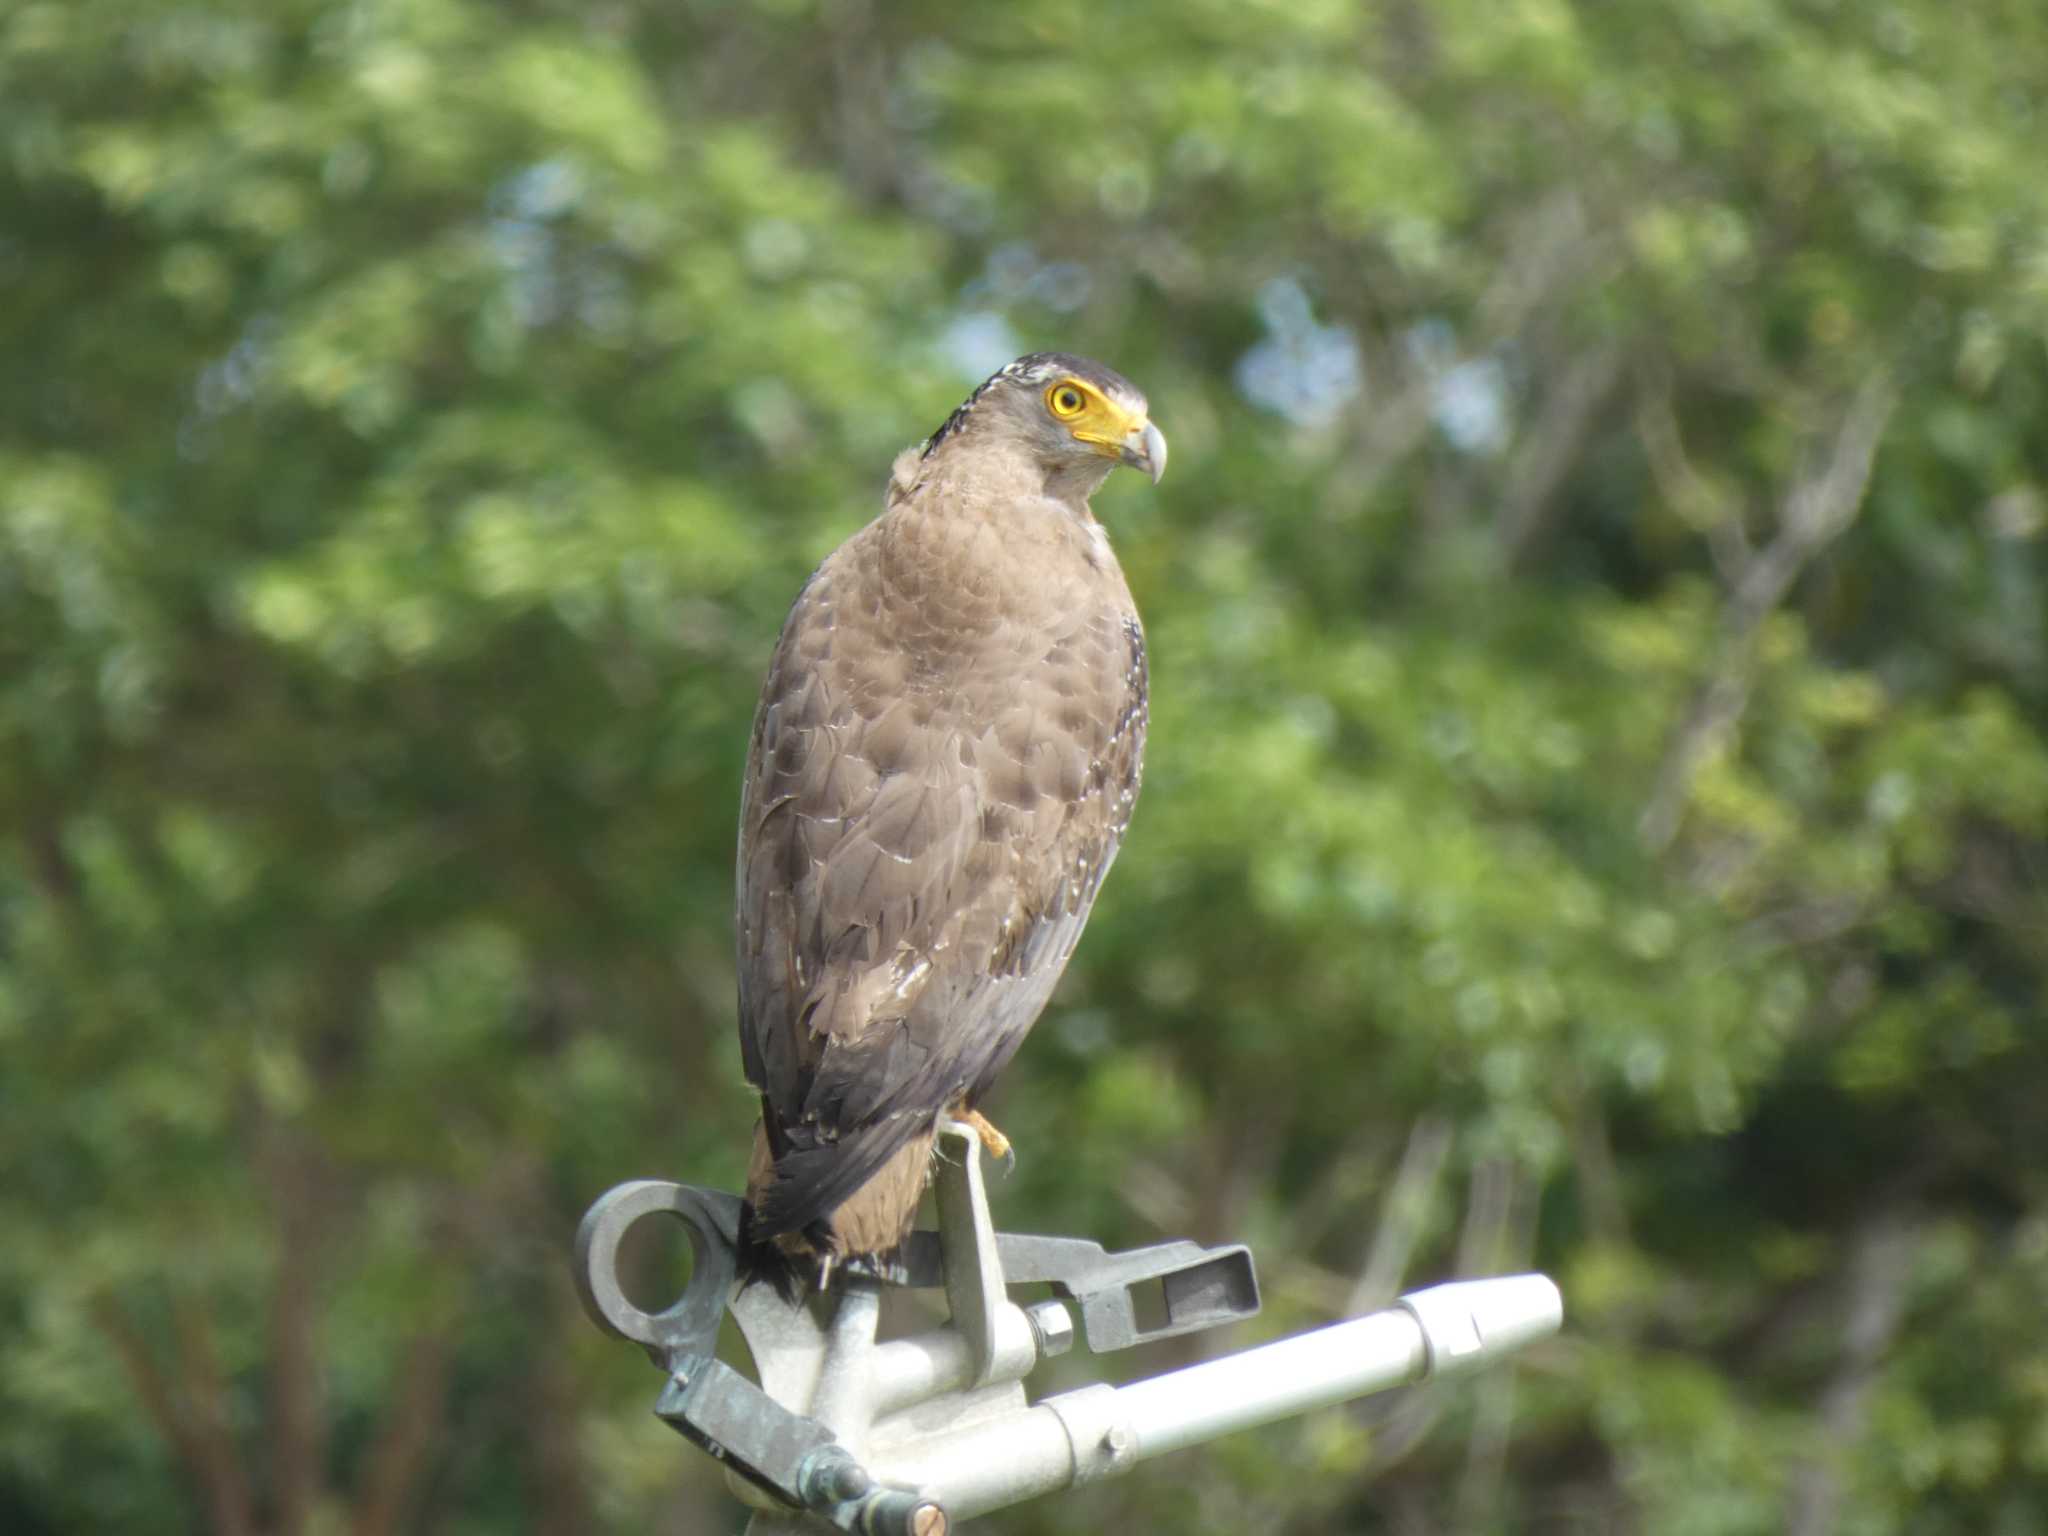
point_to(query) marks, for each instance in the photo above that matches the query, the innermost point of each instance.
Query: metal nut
(1052, 1325)
(829, 1476)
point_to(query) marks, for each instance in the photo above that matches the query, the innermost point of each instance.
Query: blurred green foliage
(1598, 807)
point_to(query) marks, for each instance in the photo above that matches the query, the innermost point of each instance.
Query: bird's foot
(993, 1141)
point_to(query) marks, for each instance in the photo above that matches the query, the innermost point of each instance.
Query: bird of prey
(943, 763)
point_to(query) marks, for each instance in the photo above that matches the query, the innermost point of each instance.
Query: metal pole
(1310, 1370)
(1103, 1431)
(889, 1439)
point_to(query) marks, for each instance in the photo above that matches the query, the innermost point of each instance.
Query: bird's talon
(993, 1141)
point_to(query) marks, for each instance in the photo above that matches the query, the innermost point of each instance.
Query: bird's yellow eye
(1065, 400)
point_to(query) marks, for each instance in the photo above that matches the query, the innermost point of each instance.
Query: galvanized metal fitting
(1052, 1325)
(830, 1476)
(892, 1512)
(1099, 1434)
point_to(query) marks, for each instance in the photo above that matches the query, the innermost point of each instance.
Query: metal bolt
(1052, 1325)
(897, 1512)
(848, 1481)
(1118, 1441)
(681, 1378)
(830, 1475)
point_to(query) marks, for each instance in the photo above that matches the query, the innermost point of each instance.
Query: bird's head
(1076, 418)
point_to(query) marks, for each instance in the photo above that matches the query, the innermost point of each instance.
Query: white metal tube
(1102, 1431)
(1309, 1370)
(912, 1370)
(988, 1465)
(1021, 1455)
(840, 1401)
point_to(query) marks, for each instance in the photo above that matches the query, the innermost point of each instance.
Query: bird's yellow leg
(993, 1141)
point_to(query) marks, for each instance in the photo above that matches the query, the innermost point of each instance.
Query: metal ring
(690, 1326)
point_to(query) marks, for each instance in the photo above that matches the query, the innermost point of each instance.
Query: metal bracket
(804, 1459)
(970, 1267)
(709, 1402)
(688, 1328)
(1198, 1287)
(894, 1437)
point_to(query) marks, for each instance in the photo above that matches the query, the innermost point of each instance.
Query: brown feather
(946, 754)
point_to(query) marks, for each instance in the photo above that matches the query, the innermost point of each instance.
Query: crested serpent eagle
(944, 759)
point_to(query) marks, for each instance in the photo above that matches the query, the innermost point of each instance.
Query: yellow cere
(1091, 415)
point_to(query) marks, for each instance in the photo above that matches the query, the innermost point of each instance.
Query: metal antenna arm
(898, 1438)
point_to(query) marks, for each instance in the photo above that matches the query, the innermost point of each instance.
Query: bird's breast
(965, 587)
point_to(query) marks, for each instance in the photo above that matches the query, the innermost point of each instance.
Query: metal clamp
(851, 1385)
(791, 1456)
(895, 1437)
(689, 1328)
(1198, 1287)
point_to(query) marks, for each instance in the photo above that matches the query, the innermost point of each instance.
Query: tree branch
(297, 1415)
(1499, 1240)
(1548, 448)
(410, 1434)
(1880, 1262)
(1403, 1215)
(1593, 1161)
(1550, 244)
(1818, 509)
(562, 1505)
(197, 1432)
(1711, 509)
(49, 865)
(220, 1469)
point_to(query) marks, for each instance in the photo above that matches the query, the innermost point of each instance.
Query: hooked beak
(1144, 448)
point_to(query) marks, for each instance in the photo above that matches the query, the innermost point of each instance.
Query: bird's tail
(797, 1268)
(840, 1207)
(793, 1275)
